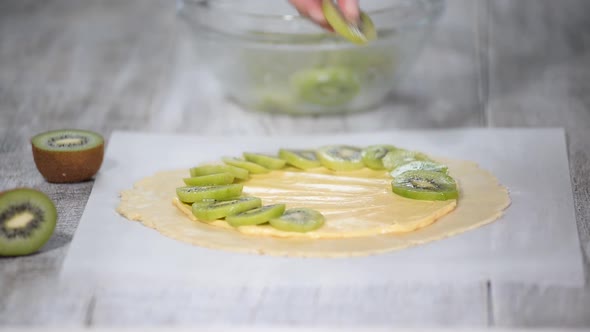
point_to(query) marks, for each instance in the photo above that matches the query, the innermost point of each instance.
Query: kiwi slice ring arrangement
(213, 196)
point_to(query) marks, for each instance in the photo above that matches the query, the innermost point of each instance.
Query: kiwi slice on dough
(396, 158)
(357, 32)
(333, 86)
(425, 185)
(298, 220)
(209, 211)
(256, 216)
(341, 157)
(210, 180)
(247, 165)
(69, 155)
(418, 165)
(238, 173)
(27, 220)
(200, 193)
(373, 155)
(263, 160)
(303, 159)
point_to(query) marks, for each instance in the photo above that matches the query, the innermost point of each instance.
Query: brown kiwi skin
(68, 166)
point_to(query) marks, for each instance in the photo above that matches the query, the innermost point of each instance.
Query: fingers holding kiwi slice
(341, 157)
(27, 221)
(256, 216)
(213, 210)
(303, 159)
(360, 32)
(330, 86)
(298, 220)
(425, 185)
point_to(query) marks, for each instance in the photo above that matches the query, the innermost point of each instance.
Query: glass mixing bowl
(268, 58)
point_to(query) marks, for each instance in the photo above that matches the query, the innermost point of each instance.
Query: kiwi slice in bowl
(70, 155)
(298, 220)
(200, 193)
(419, 165)
(303, 159)
(27, 221)
(360, 32)
(209, 180)
(341, 157)
(256, 216)
(373, 155)
(331, 86)
(396, 158)
(213, 210)
(247, 165)
(263, 160)
(425, 185)
(238, 173)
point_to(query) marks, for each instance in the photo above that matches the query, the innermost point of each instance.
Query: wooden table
(107, 65)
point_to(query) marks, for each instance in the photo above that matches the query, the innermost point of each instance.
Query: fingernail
(317, 15)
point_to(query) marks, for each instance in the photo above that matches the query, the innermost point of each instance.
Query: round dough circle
(482, 200)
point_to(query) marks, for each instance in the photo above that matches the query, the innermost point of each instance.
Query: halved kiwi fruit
(247, 165)
(209, 211)
(425, 185)
(298, 220)
(265, 161)
(256, 216)
(69, 155)
(200, 193)
(238, 173)
(373, 155)
(210, 180)
(331, 86)
(357, 32)
(27, 221)
(304, 159)
(396, 158)
(419, 165)
(340, 157)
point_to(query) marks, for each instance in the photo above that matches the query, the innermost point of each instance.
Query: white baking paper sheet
(535, 242)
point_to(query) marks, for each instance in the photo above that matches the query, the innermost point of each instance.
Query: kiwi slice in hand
(256, 216)
(209, 211)
(373, 155)
(332, 86)
(425, 185)
(298, 220)
(360, 32)
(200, 193)
(263, 160)
(238, 173)
(210, 180)
(303, 159)
(396, 158)
(27, 221)
(70, 155)
(247, 165)
(418, 165)
(341, 157)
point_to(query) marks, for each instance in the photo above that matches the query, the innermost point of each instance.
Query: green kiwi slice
(373, 155)
(303, 159)
(209, 211)
(209, 180)
(358, 33)
(256, 216)
(265, 161)
(425, 185)
(69, 155)
(298, 220)
(332, 86)
(27, 221)
(200, 193)
(396, 158)
(419, 165)
(341, 157)
(238, 173)
(247, 165)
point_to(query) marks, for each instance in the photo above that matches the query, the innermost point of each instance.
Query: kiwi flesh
(298, 220)
(418, 165)
(303, 159)
(373, 155)
(341, 157)
(27, 221)
(331, 86)
(238, 173)
(213, 210)
(425, 185)
(360, 32)
(247, 165)
(396, 158)
(200, 193)
(210, 180)
(256, 216)
(263, 160)
(69, 155)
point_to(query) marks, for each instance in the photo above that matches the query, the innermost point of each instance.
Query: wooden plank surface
(107, 64)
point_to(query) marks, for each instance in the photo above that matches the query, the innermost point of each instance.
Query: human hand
(313, 10)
